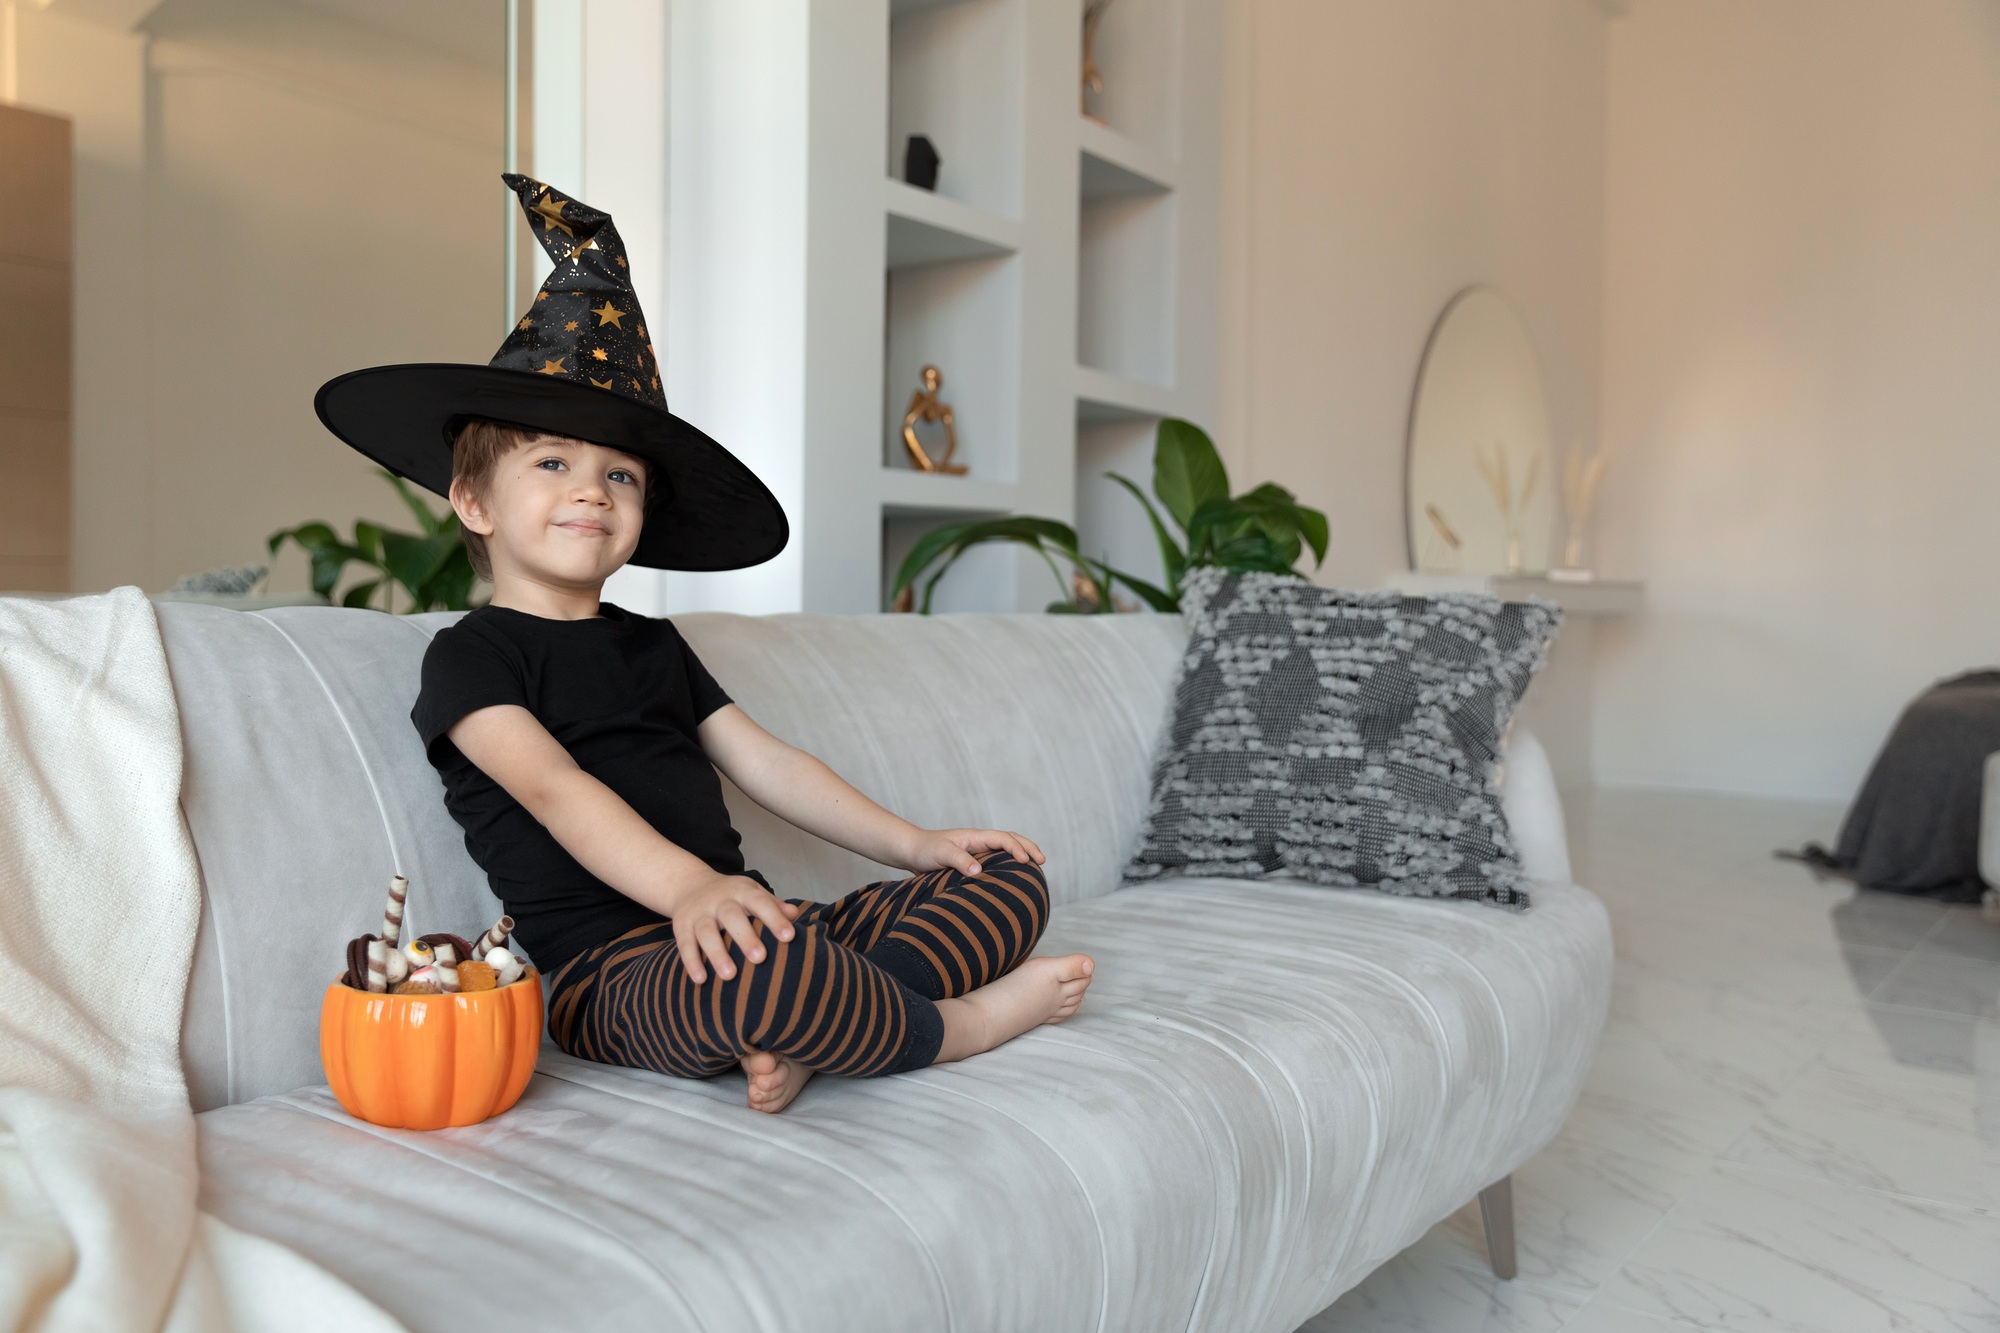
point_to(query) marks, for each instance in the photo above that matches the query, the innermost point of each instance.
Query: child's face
(559, 511)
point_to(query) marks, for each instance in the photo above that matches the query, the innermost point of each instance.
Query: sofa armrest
(1534, 810)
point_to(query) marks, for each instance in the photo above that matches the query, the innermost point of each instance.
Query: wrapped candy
(440, 963)
(507, 969)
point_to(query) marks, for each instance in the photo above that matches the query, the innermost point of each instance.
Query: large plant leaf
(413, 561)
(450, 589)
(956, 537)
(1173, 560)
(430, 521)
(1157, 598)
(357, 596)
(946, 544)
(325, 550)
(368, 537)
(1187, 471)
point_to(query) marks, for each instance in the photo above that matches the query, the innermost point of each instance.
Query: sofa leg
(1496, 1214)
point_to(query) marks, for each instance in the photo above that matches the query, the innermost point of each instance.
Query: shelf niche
(1125, 273)
(1110, 524)
(955, 77)
(983, 578)
(1138, 56)
(965, 319)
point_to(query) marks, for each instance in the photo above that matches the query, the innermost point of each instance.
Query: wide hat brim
(709, 511)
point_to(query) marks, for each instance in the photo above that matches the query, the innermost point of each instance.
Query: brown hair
(476, 451)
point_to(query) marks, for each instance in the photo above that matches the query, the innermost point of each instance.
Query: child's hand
(959, 848)
(726, 903)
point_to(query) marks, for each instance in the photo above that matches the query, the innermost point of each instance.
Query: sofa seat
(1272, 1089)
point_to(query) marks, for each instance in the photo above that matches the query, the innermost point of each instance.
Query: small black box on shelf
(920, 163)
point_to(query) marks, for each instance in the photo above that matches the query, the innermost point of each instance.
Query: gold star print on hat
(587, 312)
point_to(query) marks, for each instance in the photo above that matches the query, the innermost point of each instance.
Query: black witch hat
(580, 363)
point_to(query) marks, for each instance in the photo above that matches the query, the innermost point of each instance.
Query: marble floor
(1793, 1121)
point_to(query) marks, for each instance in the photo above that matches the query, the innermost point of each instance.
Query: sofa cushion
(1342, 738)
(1270, 1090)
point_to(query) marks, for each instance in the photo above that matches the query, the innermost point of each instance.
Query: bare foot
(1040, 990)
(774, 1080)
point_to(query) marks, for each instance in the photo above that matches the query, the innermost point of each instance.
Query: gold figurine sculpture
(1093, 78)
(927, 409)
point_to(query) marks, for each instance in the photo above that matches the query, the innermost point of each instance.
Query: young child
(579, 743)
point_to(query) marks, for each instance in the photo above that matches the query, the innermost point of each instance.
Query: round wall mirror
(1480, 488)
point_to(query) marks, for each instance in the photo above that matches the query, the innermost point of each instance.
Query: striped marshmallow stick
(378, 966)
(392, 916)
(494, 938)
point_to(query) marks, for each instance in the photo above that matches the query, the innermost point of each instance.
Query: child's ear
(471, 514)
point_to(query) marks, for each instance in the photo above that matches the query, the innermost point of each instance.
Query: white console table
(1560, 704)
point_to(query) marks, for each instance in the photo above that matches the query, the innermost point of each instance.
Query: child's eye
(551, 465)
(621, 475)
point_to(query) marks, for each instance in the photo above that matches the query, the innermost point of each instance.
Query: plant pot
(428, 1061)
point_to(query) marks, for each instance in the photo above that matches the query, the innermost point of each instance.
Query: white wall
(1378, 157)
(268, 194)
(1801, 381)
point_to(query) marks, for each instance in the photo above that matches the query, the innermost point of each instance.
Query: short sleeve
(706, 695)
(464, 671)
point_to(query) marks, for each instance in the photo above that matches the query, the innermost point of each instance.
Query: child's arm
(610, 840)
(798, 787)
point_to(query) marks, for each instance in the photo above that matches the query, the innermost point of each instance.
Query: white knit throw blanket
(100, 897)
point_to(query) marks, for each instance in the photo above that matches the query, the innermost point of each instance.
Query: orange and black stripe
(853, 991)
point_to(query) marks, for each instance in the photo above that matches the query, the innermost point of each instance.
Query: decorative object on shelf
(1093, 78)
(1367, 725)
(464, 1056)
(927, 409)
(237, 581)
(921, 162)
(431, 567)
(1432, 562)
(1263, 529)
(1480, 382)
(1581, 476)
(1493, 467)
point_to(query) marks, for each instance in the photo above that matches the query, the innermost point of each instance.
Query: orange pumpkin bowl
(428, 1061)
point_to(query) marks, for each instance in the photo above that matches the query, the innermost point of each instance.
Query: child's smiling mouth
(585, 527)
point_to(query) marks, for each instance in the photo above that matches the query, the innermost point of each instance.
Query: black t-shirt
(623, 694)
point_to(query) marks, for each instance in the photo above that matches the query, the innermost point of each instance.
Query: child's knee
(1025, 882)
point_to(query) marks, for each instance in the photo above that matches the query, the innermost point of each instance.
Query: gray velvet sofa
(1271, 1090)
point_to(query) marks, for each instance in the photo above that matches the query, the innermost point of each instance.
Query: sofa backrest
(306, 787)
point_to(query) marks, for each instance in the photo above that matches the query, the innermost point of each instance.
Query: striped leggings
(853, 991)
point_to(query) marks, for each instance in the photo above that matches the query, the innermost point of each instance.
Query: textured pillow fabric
(1345, 738)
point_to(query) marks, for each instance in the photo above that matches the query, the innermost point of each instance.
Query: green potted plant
(1262, 529)
(431, 566)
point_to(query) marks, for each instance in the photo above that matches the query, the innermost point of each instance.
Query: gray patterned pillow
(1343, 738)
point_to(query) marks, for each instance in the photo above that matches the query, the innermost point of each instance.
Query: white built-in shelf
(1112, 164)
(909, 491)
(929, 228)
(1102, 396)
